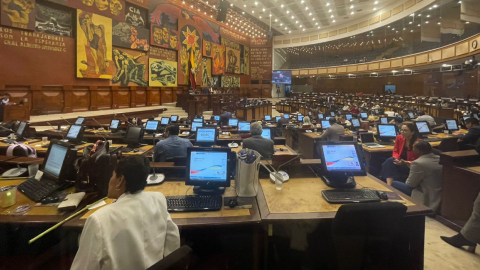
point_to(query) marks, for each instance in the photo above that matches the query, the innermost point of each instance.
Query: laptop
(369, 141)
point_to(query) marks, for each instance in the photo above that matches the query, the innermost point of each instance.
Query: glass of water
(278, 181)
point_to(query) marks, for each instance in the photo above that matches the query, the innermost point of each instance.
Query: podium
(15, 112)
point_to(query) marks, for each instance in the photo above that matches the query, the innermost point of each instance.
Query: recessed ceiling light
(293, 17)
(281, 24)
(467, 22)
(351, 13)
(374, 9)
(256, 3)
(276, 20)
(306, 8)
(331, 16)
(333, 21)
(328, 4)
(288, 11)
(376, 2)
(253, 11)
(318, 27)
(281, 5)
(329, 10)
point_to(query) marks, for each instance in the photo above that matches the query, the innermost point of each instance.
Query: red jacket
(354, 110)
(398, 148)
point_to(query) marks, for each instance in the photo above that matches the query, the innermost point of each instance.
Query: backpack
(21, 150)
(95, 168)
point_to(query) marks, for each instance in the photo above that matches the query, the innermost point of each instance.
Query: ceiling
(302, 16)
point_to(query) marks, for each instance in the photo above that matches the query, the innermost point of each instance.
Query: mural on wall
(130, 67)
(233, 61)
(190, 52)
(207, 71)
(164, 26)
(110, 8)
(163, 37)
(53, 21)
(129, 36)
(245, 60)
(135, 16)
(207, 48)
(218, 67)
(230, 81)
(162, 73)
(18, 13)
(94, 45)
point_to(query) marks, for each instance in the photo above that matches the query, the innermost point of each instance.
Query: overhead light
(331, 16)
(410, 22)
(281, 24)
(376, 2)
(256, 3)
(281, 5)
(333, 21)
(329, 10)
(293, 16)
(276, 20)
(263, 10)
(318, 27)
(303, 29)
(306, 8)
(374, 9)
(288, 11)
(467, 22)
(351, 7)
(289, 32)
(316, 23)
(328, 4)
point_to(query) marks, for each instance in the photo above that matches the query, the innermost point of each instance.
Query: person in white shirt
(6, 99)
(346, 107)
(423, 116)
(132, 233)
(344, 121)
(377, 106)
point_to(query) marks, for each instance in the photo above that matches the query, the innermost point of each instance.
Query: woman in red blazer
(398, 166)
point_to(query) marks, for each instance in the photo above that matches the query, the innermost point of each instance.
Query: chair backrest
(448, 145)
(177, 260)
(363, 233)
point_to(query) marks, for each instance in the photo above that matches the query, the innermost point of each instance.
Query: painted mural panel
(206, 72)
(110, 8)
(135, 15)
(218, 67)
(129, 36)
(162, 73)
(18, 13)
(53, 21)
(130, 67)
(230, 81)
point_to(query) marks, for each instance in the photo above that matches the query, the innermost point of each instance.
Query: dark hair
(472, 120)
(173, 129)
(412, 128)
(398, 120)
(423, 147)
(135, 169)
(421, 113)
(332, 120)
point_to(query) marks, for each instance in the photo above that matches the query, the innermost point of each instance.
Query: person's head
(6, 95)
(224, 110)
(130, 176)
(282, 115)
(420, 113)
(398, 120)
(422, 148)
(172, 130)
(332, 120)
(471, 122)
(408, 130)
(343, 118)
(306, 120)
(256, 129)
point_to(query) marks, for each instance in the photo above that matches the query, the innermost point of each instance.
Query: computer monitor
(348, 116)
(383, 120)
(152, 125)
(325, 124)
(21, 130)
(209, 169)
(206, 136)
(300, 118)
(423, 127)
(268, 118)
(115, 123)
(356, 123)
(133, 136)
(387, 132)
(367, 137)
(75, 133)
(332, 113)
(376, 111)
(310, 113)
(277, 118)
(199, 120)
(267, 133)
(364, 115)
(320, 116)
(244, 126)
(58, 164)
(216, 117)
(173, 118)
(233, 122)
(80, 120)
(195, 125)
(411, 115)
(165, 121)
(451, 124)
(286, 115)
(328, 117)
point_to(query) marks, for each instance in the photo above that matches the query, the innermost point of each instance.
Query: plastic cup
(44, 140)
(32, 170)
(8, 196)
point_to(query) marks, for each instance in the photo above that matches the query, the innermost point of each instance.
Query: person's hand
(456, 133)
(396, 162)
(401, 162)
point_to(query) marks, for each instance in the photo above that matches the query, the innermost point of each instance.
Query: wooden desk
(15, 112)
(307, 143)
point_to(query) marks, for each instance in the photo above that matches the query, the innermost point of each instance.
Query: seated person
(306, 121)
(398, 166)
(473, 134)
(346, 107)
(263, 146)
(398, 121)
(344, 121)
(172, 146)
(423, 116)
(135, 232)
(5, 99)
(224, 117)
(425, 177)
(333, 132)
(354, 110)
(282, 120)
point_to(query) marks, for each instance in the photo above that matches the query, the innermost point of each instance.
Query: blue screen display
(208, 166)
(349, 116)
(233, 122)
(244, 126)
(151, 125)
(266, 133)
(364, 115)
(387, 131)
(206, 135)
(165, 120)
(114, 124)
(325, 124)
(195, 125)
(217, 117)
(174, 118)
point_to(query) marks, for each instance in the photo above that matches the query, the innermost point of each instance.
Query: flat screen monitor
(310, 113)
(332, 113)
(199, 120)
(376, 111)
(451, 124)
(390, 89)
(268, 118)
(364, 115)
(55, 160)
(356, 123)
(133, 136)
(151, 125)
(216, 117)
(114, 124)
(348, 116)
(277, 118)
(267, 133)
(367, 137)
(208, 167)
(300, 118)
(74, 133)
(325, 124)
(340, 157)
(174, 118)
(387, 131)
(328, 117)
(243, 126)
(282, 76)
(286, 115)
(320, 116)
(411, 115)
(80, 120)
(195, 125)
(165, 121)
(22, 127)
(206, 135)
(233, 122)
(423, 127)
(383, 120)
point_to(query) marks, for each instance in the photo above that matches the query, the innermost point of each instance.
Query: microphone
(101, 126)
(63, 137)
(8, 129)
(65, 120)
(54, 129)
(127, 119)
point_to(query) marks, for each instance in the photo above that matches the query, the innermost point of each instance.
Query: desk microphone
(58, 131)
(65, 120)
(127, 119)
(8, 129)
(54, 129)
(154, 179)
(101, 126)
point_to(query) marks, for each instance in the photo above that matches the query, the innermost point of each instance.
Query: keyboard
(350, 195)
(37, 190)
(193, 203)
(386, 143)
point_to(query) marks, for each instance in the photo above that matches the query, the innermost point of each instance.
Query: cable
(186, 192)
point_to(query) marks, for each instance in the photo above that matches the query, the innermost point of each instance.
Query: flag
(191, 66)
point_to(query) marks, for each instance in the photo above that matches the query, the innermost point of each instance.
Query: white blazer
(132, 233)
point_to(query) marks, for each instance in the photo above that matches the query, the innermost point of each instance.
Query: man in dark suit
(263, 146)
(224, 117)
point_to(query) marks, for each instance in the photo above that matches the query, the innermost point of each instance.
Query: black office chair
(363, 235)
(177, 260)
(448, 145)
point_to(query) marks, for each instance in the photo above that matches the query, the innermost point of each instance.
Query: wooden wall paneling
(373, 66)
(396, 63)
(341, 69)
(322, 71)
(362, 68)
(448, 52)
(385, 65)
(19, 93)
(352, 68)
(363, 24)
(77, 98)
(295, 72)
(267, 91)
(48, 100)
(461, 48)
(421, 59)
(435, 56)
(122, 98)
(409, 61)
(409, 4)
(474, 41)
(101, 98)
(352, 27)
(332, 70)
(166, 94)
(140, 96)
(153, 96)
(177, 90)
(397, 10)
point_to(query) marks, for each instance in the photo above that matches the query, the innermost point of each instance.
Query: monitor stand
(339, 181)
(208, 190)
